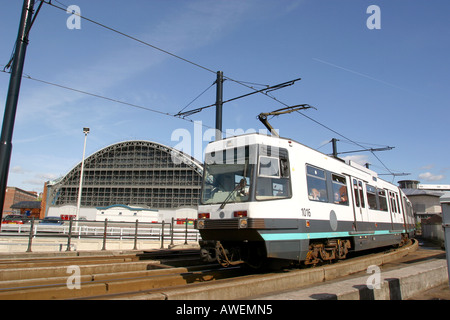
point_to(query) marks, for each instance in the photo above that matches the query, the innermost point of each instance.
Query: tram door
(396, 214)
(359, 205)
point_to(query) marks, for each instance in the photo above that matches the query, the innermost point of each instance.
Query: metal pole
(333, 141)
(171, 232)
(445, 205)
(186, 231)
(136, 234)
(30, 239)
(13, 97)
(104, 234)
(80, 187)
(69, 235)
(219, 103)
(162, 235)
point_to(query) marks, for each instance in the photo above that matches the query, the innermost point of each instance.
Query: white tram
(267, 198)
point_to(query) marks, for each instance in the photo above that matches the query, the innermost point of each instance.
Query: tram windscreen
(228, 180)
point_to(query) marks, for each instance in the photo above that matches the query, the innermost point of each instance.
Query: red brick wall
(43, 202)
(14, 195)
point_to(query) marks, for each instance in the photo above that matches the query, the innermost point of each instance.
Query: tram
(269, 199)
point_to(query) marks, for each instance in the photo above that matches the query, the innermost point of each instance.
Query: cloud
(40, 178)
(428, 176)
(18, 170)
(34, 182)
(56, 114)
(199, 24)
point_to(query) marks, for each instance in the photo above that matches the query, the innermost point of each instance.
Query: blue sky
(387, 86)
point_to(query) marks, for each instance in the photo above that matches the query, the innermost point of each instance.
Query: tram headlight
(200, 224)
(243, 223)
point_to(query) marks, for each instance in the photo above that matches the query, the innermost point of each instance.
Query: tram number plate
(306, 212)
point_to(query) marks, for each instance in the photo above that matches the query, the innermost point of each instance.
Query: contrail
(359, 74)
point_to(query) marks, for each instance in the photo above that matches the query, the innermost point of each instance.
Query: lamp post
(85, 131)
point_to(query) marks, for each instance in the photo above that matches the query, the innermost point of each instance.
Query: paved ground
(406, 278)
(441, 292)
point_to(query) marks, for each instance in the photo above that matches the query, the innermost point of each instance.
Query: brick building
(15, 195)
(31, 209)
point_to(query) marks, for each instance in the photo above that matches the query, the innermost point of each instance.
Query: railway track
(71, 277)
(161, 275)
(255, 285)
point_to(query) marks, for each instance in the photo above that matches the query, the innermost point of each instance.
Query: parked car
(15, 219)
(54, 221)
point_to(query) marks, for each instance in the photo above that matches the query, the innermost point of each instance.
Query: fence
(105, 230)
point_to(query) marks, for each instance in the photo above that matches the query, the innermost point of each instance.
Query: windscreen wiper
(239, 186)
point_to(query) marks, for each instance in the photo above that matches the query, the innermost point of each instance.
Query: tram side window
(394, 202)
(355, 190)
(398, 203)
(317, 184)
(408, 207)
(382, 199)
(273, 178)
(361, 194)
(393, 206)
(372, 197)
(269, 167)
(340, 195)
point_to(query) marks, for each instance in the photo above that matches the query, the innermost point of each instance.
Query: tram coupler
(208, 250)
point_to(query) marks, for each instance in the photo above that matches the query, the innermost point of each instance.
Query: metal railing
(105, 230)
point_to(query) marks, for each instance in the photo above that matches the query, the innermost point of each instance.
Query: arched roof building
(136, 173)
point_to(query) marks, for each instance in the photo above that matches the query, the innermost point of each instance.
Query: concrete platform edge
(399, 284)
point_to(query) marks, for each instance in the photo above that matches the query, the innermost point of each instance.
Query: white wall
(112, 214)
(87, 213)
(127, 215)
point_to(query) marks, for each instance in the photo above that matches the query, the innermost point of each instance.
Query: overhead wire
(348, 139)
(203, 92)
(8, 65)
(192, 63)
(104, 97)
(242, 83)
(129, 36)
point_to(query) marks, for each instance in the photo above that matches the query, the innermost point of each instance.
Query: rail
(106, 230)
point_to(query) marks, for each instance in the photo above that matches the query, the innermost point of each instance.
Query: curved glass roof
(133, 173)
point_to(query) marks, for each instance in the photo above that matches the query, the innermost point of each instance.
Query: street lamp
(85, 131)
